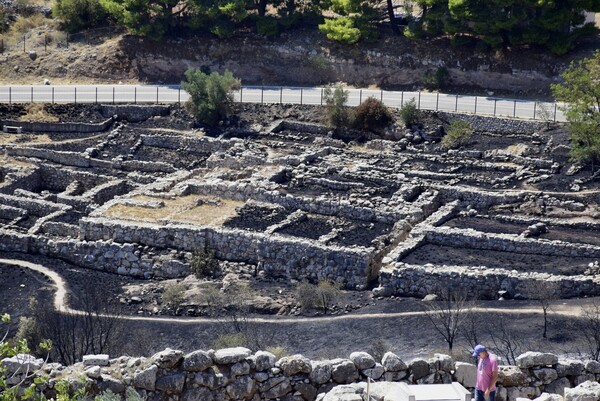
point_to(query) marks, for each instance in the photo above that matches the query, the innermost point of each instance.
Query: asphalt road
(291, 95)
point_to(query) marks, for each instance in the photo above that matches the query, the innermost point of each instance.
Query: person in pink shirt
(487, 374)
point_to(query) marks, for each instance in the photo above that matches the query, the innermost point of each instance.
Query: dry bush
(174, 295)
(23, 25)
(37, 112)
(372, 115)
(459, 134)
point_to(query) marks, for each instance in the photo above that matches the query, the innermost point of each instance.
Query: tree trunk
(391, 15)
(261, 6)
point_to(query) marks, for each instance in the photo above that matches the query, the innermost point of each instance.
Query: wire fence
(46, 42)
(137, 94)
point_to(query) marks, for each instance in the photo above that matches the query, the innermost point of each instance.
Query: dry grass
(37, 112)
(184, 209)
(23, 25)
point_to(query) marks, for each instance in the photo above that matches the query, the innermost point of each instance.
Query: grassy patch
(192, 209)
(37, 112)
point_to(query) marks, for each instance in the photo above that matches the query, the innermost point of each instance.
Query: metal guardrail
(134, 94)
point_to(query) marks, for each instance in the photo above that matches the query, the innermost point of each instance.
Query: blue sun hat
(478, 350)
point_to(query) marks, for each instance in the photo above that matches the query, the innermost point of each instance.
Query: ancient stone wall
(238, 374)
(58, 127)
(134, 113)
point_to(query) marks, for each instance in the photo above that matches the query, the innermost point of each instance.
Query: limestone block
(392, 362)
(531, 359)
(441, 362)
(350, 392)
(466, 374)
(549, 397)
(243, 388)
(263, 361)
(197, 361)
(197, 394)
(308, 391)
(96, 360)
(419, 368)
(545, 375)
(395, 376)
(526, 392)
(511, 376)
(110, 383)
(231, 355)
(210, 379)
(22, 363)
(362, 360)
(275, 387)
(586, 391)
(293, 365)
(93, 372)
(167, 359)
(569, 367)
(146, 379)
(375, 372)
(558, 386)
(240, 369)
(592, 366)
(583, 378)
(171, 384)
(343, 371)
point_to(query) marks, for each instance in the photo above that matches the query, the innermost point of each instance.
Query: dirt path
(559, 308)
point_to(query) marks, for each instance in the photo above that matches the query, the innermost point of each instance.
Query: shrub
(278, 351)
(210, 94)
(328, 293)
(372, 115)
(437, 79)
(204, 264)
(267, 27)
(341, 30)
(306, 295)
(173, 295)
(321, 296)
(409, 113)
(338, 114)
(230, 341)
(458, 134)
(79, 14)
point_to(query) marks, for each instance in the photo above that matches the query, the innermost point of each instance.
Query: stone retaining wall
(238, 374)
(134, 113)
(59, 127)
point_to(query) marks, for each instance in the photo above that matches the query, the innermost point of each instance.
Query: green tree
(338, 113)
(581, 92)
(372, 115)
(355, 20)
(79, 14)
(211, 94)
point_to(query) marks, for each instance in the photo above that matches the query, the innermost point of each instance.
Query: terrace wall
(59, 127)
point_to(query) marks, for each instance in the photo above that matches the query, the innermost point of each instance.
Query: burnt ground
(369, 328)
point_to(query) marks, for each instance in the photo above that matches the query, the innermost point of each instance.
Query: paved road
(291, 95)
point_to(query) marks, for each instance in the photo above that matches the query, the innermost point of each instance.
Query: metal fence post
(301, 94)
(157, 95)
(9, 94)
(67, 40)
(135, 95)
(515, 109)
(554, 112)
(381, 97)
(322, 96)
(75, 101)
(281, 95)
(360, 97)
(23, 43)
(53, 95)
(495, 101)
(96, 95)
(45, 43)
(241, 94)
(2, 46)
(262, 94)
(475, 112)
(419, 103)
(32, 94)
(402, 99)
(456, 104)
(113, 95)
(534, 109)
(437, 101)
(179, 96)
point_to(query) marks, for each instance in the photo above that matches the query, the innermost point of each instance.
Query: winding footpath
(560, 308)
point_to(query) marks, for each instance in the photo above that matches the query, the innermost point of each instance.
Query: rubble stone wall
(238, 374)
(59, 127)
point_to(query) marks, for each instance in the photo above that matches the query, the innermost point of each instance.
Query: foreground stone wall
(238, 374)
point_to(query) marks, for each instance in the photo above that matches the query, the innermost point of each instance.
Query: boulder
(362, 360)
(263, 361)
(171, 384)
(545, 375)
(395, 376)
(228, 356)
(96, 360)
(419, 368)
(146, 379)
(549, 397)
(167, 359)
(466, 374)
(569, 367)
(525, 392)
(197, 361)
(586, 391)
(108, 382)
(321, 372)
(93, 372)
(240, 369)
(243, 388)
(558, 386)
(197, 394)
(22, 363)
(375, 372)
(308, 391)
(343, 371)
(583, 378)
(275, 387)
(512, 376)
(441, 362)
(210, 379)
(592, 367)
(350, 392)
(392, 362)
(531, 359)
(293, 365)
